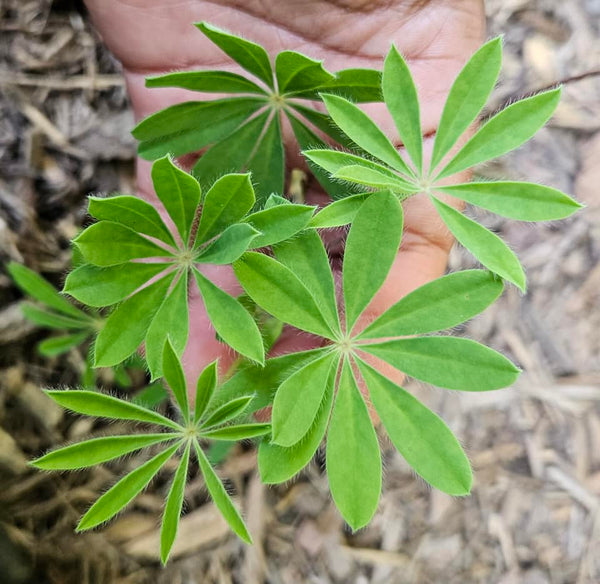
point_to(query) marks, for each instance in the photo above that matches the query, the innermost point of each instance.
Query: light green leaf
(339, 213)
(172, 320)
(229, 246)
(249, 55)
(132, 212)
(306, 256)
(353, 457)
(58, 345)
(173, 506)
(297, 72)
(279, 223)
(277, 464)
(93, 403)
(422, 438)
(438, 305)
(371, 249)
(97, 451)
(467, 96)
(228, 411)
(486, 246)
(173, 374)
(402, 101)
(108, 244)
(334, 160)
(126, 327)
(516, 200)
(268, 161)
(39, 288)
(298, 400)
(47, 318)
(206, 81)
(179, 192)
(504, 132)
(364, 132)
(122, 493)
(449, 362)
(190, 126)
(276, 289)
(99, 286)
(370, 177)
(205, 389)
(226, 203)
(220, 497)
(231, 320)
(235, 433)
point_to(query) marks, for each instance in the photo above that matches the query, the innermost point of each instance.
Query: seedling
(136, 263)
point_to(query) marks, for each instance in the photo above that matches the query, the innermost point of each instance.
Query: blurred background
(534, 515)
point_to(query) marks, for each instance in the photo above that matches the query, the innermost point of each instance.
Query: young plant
(198, 425)
(134, 258)
(244, 132)
(504, 132)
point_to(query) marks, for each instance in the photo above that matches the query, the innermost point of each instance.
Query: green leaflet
(353, 457)
(400, 96)
(231, 320)
(228, 411)
(419, 435)
(368, 259)
(268, 161)
(339, 213)
(220, 497)
(306, 256)
(171, 320)
(58, 345)
(363, 131)
(47, 318)
(96, 451)
(322, 122)
(126, 327)
(358, 85)
(450, 362)
(93, 403)
(437, 305)
(279, 223)
(278, 290)
(297, 72)
(229, 246)
(226, 203)
(467, 96)
(99, 286)
(108, 244)
(298, 400)
(241, 432)
(123, 492)
(333, 161)
(173, 507)
(252, 57)
(486, 246)
(277, 464)
(374, 178)
(207, 81)
(205, 389)
(173, 374)
(132, 212)
(39, 288)
(504, 132)
(190, 126)
(516, 200)
(179, 192)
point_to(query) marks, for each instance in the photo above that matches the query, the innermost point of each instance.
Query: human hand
(436, 37)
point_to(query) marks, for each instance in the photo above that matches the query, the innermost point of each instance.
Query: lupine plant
(144, 266)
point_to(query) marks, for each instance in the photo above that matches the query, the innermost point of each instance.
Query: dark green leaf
(228, 411)
(504, 132)
(173, 374)
(357, 85)
(323, 122)
(205, 389)
(279, 223)
(150, 396)
(402, 101)
(96, 451)
(353, 457)
(58, 345)
(486, 246)
(122, 493)
(450, 362)
(516, 200)
(206, 81)
(467, 97)
(438, 305)
(339, 213)
(419, 435)
(235, 433)
(297, 72)
(50, 319)
(229, 246)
